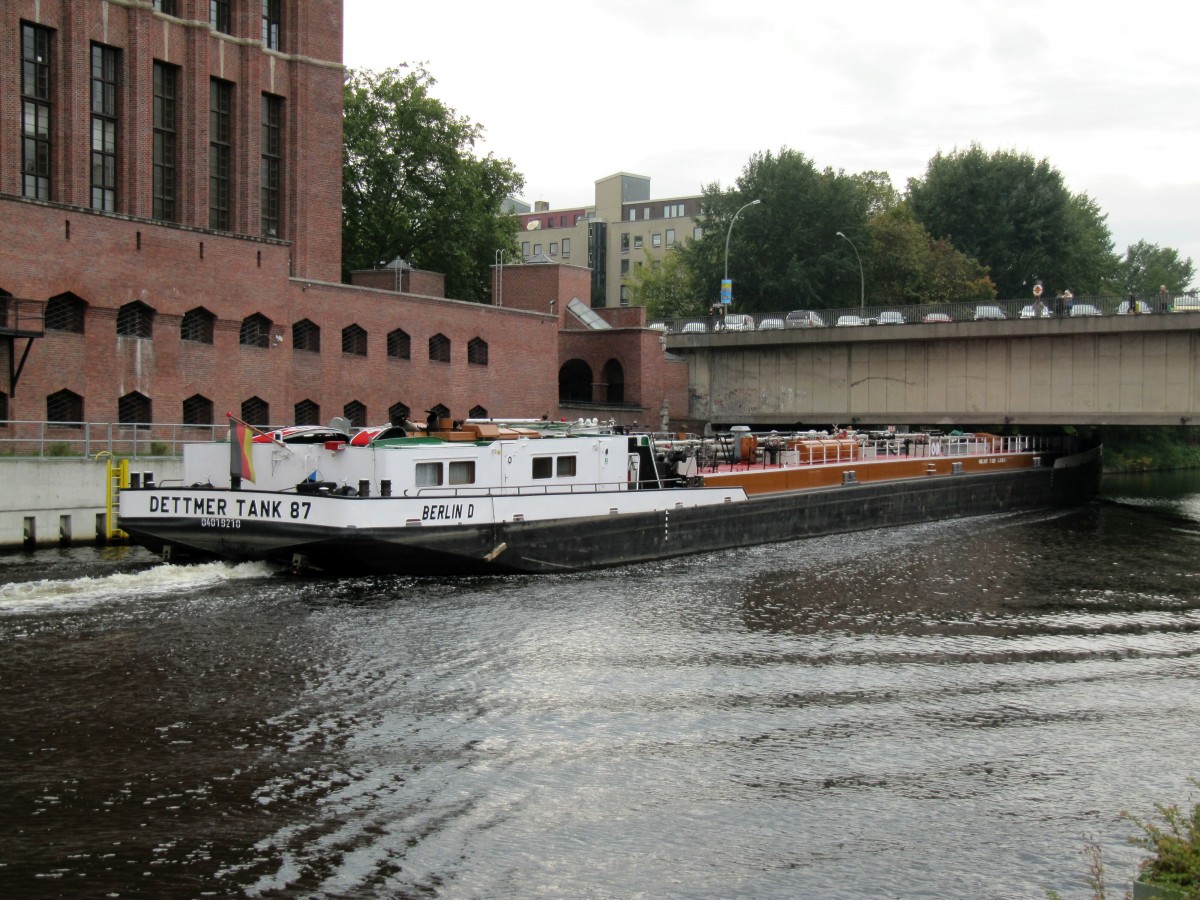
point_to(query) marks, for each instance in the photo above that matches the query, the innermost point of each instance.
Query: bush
(1175, 845)
(61, 448)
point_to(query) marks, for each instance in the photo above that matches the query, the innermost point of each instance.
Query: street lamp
(728, 235)
(862, 282)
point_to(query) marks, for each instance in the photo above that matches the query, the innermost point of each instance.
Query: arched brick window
(478, 412)
(135, 319)
(357, 414)
(477, 352)
(197, 326)
(397, 413)
(308, 413)
(439, 348)
(399, 344)
(256, 412)
(306, 335)
(197, 410)
(65, 408)
(614, 376)
(134, 409)
(255, 331)
(354, 340)
(575, 382)
(65, 312)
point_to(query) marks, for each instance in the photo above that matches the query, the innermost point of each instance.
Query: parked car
(1142, 308)
(694, 328)
(1186, 303)
(735, 322)
(659, 326)
(891, 317)
(803, 318)
(770, 323)
(932, 318)
(1032, 312)
(851, 320)
(983, 313)
(1084, 309)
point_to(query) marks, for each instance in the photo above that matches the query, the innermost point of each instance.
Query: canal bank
(57, 502)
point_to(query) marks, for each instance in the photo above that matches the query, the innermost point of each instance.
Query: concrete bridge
(1103, 370)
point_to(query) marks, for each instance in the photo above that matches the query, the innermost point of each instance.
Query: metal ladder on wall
(118, 480)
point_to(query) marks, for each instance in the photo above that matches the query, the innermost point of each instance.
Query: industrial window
(197, 326)
(135, 319)
(35, 112)
(354, 340)
(439, 348)
(477, 352)
(255, 331)
(272, 162)
(306, 335)
(165, 6)
(220, 149)
(197, 410)
(478, 412)
(256, 412)
(670, 236)
(308, 413)
(65, 408)
(429, 474)
(566, 247)
(462, 471)
(218, 15)
(356, 413)
(399, 344)
(64, 312)
(104, 127)
(134, 409)
(398, 413)
(3, 410)
(271, 24)
(166, 88)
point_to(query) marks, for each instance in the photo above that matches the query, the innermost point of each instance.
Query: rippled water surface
(943, 711)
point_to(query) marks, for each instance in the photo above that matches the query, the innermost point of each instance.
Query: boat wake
(57, 595)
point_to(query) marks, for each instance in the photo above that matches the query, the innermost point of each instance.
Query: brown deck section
(760, 479)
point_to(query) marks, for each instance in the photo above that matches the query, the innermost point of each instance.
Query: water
(944, 711)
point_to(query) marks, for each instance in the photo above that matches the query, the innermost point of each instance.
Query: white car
(770, 323)
(735, 322)
(984, 313)
(891, 317)
(935, 317)
(1032, 312)
(1142, 308)
(803, 318)
(1084, 309)
(694, 328)
(1186, 303)
(850, 320)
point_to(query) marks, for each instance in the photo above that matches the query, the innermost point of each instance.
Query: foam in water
(58, 594)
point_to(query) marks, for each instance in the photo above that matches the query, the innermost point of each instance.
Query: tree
(664, 286)
(413, 189)
(1014, 215)
(784, 253)
(1146, 267)
(907, 266)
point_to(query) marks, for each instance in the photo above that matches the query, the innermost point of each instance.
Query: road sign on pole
(726, 291)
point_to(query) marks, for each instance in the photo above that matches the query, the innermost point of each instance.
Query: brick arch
(575, 382)
(613, 376)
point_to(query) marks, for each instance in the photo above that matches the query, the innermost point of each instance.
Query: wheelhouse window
(554, 467)
(166, 87)
(220, 151)
(429, 474)
(462, 471)
(272, 163)
(35, 112)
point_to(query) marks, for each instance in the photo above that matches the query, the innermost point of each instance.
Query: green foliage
(1140, 449)
(1174, 845)
(413, 188)
(60, 448)
(785, 253)
(1147, 267)
(664, 286)
(158, 448)
(1015, 215)
(907, 266)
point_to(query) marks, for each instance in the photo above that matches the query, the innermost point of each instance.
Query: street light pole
(862, 282)
(728, 235)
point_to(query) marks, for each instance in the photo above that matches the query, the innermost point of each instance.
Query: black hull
(579, 544)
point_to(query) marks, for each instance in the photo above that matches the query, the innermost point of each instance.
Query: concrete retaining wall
(48, 502)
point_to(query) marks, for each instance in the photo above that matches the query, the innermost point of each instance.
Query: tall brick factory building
(170, 246)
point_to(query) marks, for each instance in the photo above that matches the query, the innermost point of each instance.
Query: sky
(686, 91)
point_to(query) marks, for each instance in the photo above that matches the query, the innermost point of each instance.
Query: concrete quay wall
(53, 502)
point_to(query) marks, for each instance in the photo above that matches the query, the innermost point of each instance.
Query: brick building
(170, 204)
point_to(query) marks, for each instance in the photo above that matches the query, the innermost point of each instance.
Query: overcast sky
(684, 91)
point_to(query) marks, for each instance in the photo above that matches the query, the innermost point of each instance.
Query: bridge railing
(933, 313)
(73, 439)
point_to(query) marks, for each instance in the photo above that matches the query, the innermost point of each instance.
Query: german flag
(241, 439)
